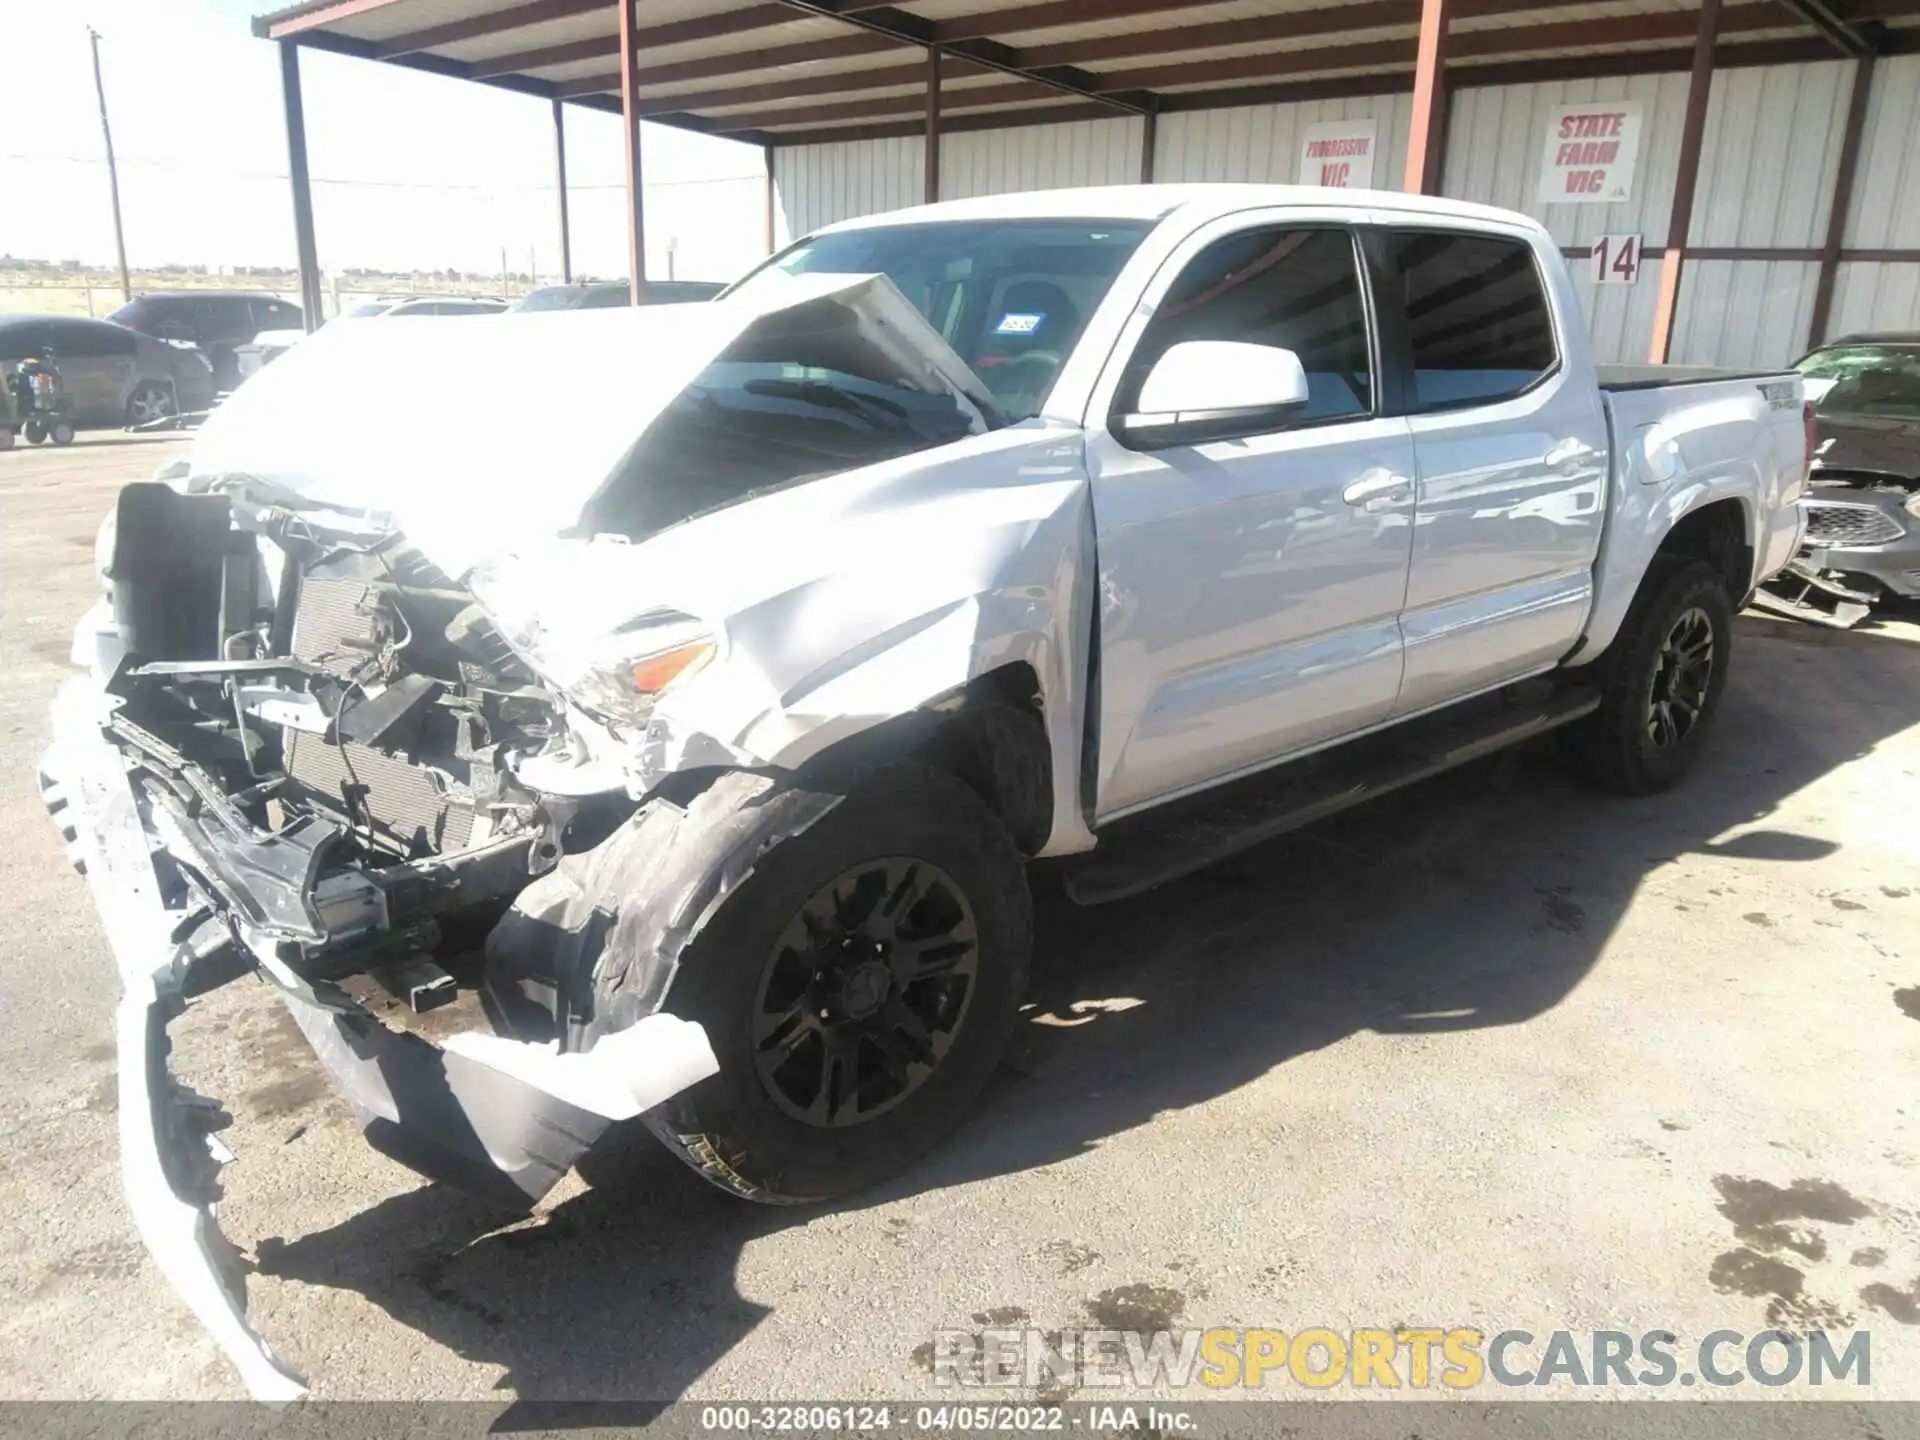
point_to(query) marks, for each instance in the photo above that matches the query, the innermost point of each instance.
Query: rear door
(1511, 445)
(1249, 609)
(96, 366)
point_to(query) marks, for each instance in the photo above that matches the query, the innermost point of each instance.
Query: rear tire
(61, 433)
(1660, 682)
(149, 402)
(808, 960)
(35, 432)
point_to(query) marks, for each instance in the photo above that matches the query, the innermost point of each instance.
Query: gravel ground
(1496, 1052)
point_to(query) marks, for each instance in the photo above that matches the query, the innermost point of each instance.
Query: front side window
(1290, 289)
(1010, 297)
(1477, 319)
(1865, 380)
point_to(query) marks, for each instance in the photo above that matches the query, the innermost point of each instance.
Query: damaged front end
(317, 783)
(383, 697)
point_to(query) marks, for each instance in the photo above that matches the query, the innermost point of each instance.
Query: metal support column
(630, 126)
(1149, 142)
(1693, 129)
(1427, 139)
(773, 201)
(305, 250)
(1842, 200)
(933, 125)
(560, 190)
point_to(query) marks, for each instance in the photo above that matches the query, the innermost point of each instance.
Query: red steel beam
(1693, 129)
(1429, 127)
(651, 37)
(1842, 203)
(635, 178)
(978, 97)
(473, 27)
(842, 47)
(322, 16)
(841, 83)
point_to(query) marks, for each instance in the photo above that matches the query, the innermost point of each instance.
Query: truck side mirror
(1203, 390)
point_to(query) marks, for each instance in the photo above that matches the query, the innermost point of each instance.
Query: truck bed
(1648, 377)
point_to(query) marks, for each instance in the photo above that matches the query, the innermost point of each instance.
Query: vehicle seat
(1027, 342)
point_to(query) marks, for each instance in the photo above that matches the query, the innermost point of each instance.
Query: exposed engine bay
(327, 717)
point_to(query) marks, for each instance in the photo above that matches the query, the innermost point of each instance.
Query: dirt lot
(1499, 1052)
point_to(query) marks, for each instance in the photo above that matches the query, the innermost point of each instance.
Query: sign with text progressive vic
(1339, 154)
(1590, 152)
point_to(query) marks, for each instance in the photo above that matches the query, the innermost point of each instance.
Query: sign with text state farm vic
(1339, 154)
(1590, 154)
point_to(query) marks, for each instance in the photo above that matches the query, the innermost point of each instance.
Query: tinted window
(549, 297)
(20, 339)
(275, 315)
(1478, 323)
(603, 297)
(1009, 296)
(73, 339)
(1295, 290)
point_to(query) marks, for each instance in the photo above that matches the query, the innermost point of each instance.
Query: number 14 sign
(1616, 260)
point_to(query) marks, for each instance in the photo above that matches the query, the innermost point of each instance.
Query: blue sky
(411, 171)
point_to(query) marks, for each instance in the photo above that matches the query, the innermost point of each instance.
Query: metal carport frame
(793, 72)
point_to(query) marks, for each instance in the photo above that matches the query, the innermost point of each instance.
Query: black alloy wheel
(1677, 696)
(865, 992)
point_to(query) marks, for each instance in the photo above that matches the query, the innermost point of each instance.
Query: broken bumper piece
(485, 1112)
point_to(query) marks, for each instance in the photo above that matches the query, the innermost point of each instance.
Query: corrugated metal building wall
(1767, 166)
(1886, 208)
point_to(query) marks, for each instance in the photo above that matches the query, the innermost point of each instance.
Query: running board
(1176, 839)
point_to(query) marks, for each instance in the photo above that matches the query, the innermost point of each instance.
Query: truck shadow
(1479, 899)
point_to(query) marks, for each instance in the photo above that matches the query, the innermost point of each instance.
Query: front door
(1250, 589)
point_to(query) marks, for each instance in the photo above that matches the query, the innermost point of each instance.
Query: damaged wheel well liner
(1717, 534)
(990, 734)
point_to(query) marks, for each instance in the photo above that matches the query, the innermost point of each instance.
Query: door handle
(1373, 489)
(1568, 456)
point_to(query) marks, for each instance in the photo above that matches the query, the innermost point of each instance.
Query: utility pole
(113, 173)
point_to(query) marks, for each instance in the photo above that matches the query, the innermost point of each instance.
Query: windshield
(366, 310)
(1865, 380)
(549, 297)
(1009, 296)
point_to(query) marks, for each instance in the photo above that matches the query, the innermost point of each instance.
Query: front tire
(1660, 682)
(35, 432)
(61, 433)
(858, 990)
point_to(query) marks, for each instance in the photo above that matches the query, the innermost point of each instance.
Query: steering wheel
(1029, 373)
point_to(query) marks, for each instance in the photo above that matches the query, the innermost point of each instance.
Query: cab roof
(1157, 202)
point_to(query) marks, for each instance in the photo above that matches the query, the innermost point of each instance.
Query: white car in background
(269, 344)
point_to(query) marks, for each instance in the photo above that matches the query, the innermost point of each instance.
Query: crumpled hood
(1868, 444)
(473, 434)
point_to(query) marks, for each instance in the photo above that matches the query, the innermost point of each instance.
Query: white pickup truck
(1116, 529)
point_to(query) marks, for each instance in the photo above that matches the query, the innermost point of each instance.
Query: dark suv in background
(218, 321)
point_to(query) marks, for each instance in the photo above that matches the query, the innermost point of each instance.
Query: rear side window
(1292, 289)
(79, 340)
(18, 341)
(1477, 320)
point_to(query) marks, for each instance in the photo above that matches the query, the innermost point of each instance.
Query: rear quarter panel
(1677, 448)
